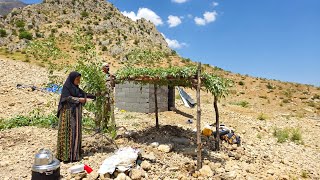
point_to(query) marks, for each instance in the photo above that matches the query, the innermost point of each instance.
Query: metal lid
(43, 157)
(44, 168)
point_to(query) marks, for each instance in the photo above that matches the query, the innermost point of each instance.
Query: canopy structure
(179, 76)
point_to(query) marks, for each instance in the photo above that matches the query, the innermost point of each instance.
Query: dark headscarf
(70, 89)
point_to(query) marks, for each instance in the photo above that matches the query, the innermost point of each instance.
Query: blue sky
(275, 39)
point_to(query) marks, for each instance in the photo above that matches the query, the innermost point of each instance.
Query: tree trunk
(98, 117)
(156, 106)
(215, 105)
(199, 158)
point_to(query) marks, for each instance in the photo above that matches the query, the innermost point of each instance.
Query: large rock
(146, 165)
(230, 175)
(206, 171)
(151, 157)
(165, 147)
(136, 174)
(122, 176)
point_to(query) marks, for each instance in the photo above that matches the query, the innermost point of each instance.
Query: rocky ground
(260, 156)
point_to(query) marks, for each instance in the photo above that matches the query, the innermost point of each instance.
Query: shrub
(262, 117)
(13, 13)
(286, 101)
(304, 174)
(296, 135)
(243, 104)
(270, 86)
(263, 97)
(241, 83)
(281, 135)
(59, 26)
(35, 119)
(104, 48)
(67, 22)
(3, 33)
(25, 35)
(316, 96)
(84, 14)
(20, 24)
(293, 134)
(54, 31)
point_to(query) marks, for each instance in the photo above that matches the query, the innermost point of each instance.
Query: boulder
(206, 171)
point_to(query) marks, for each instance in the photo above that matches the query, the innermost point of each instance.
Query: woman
(70, 114)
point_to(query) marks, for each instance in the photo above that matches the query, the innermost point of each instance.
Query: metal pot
(45, 166)
(44, 157)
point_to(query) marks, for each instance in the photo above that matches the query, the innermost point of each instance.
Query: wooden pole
(215, 105)
(156, 106)
(199, 158)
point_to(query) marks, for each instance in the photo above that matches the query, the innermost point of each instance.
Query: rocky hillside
(113, 34)
(254, 109)
(7, 5)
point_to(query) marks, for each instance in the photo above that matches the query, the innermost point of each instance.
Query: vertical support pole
(199, 158)
(156, 106)
(215, 105)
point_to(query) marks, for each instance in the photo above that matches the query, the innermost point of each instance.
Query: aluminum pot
(45, 166)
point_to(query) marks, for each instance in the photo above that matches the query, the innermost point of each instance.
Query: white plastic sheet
(123, 159)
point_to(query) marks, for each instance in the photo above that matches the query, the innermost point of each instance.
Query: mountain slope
(6, 6)
(113, 34)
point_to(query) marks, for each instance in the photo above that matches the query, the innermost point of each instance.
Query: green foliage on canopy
(175, 76)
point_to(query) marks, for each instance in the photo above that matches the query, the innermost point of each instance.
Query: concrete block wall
(140, 98)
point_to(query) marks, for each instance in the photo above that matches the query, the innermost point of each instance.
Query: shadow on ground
(183, 141)
(97, 143)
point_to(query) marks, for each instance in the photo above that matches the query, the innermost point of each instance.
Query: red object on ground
(87, 168)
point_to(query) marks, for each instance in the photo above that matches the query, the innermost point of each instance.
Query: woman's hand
(82, 100)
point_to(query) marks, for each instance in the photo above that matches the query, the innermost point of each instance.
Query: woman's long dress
(69, 132)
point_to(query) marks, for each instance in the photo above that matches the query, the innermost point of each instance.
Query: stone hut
(140, 98)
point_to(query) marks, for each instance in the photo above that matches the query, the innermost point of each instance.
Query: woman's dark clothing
(70, 121)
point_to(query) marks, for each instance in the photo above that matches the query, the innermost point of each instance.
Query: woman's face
(77, 81)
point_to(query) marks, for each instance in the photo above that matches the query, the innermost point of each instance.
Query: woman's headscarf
(70, 89)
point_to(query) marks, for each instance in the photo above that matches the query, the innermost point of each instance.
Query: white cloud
(174, 44)
(144, 13)
(132, 15)
(173, 21)
(200, 21)
(214, 4)
(179, 1)
(208, 17)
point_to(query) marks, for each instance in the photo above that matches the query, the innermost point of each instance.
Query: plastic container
(80, 168)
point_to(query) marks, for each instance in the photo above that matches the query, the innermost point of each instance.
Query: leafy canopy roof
(175, 76)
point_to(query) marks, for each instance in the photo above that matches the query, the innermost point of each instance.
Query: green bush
(286, 101)
(243, 104)
(25, 35)
(3, 33)
(262, 117)
(281, 135)
(293, 134)
(241, 83)
(316, 96)
(104, 48)
(296, 135)
(31, 120)
(20, 24)
(270, 86)
(84, 14)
